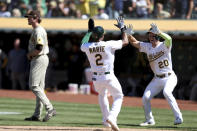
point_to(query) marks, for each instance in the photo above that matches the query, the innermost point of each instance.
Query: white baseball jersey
(39, 36)
(101, 54)
(159, 57)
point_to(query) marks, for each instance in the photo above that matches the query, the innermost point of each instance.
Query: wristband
(123, 29)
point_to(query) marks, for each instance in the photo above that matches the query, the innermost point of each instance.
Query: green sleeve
(167, 38)
(86, 38)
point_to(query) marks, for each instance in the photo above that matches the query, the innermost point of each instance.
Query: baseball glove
(90, 25)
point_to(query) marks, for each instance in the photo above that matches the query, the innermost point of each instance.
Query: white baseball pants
(154, 87)
(37, 83)
(109, 83)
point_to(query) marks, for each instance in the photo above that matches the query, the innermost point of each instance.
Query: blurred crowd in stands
(102, 9)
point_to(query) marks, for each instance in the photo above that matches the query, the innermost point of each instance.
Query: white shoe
(107, 125)
(178, 120)
(113, 124)
(148, 123)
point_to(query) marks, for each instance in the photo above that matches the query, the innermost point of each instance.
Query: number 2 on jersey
(98, 59)
(163, 63)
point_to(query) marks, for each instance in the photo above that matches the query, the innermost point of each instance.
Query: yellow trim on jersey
(40, 41)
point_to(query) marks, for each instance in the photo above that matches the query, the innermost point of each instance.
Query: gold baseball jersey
(39, 36)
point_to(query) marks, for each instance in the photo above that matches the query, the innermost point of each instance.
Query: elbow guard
(39, 47)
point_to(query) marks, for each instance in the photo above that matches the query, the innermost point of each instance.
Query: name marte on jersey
(155, 56)
(97, 49)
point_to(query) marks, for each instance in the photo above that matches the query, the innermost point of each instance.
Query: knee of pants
(102, 95)
(117, 96)
(34, 88)
(146, 97)
(166, 93)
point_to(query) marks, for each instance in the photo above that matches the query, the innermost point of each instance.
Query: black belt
(163, 75)
(97, 73)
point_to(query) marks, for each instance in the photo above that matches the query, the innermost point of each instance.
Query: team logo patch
(39, 40)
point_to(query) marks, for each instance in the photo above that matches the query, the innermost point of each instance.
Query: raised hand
(129, 29)
(155, 29)
(120, 22)
(90, 25)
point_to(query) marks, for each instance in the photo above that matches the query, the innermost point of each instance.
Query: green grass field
(86, 115)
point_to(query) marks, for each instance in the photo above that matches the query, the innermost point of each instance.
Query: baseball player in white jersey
(37, 53)
(159, 56)
(101, 57)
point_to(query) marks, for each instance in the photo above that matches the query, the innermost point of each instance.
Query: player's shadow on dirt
(87, 124)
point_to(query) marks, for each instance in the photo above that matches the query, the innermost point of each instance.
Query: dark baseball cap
(33, 13)
(98, 30)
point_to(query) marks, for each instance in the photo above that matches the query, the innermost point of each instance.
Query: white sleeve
(115, 45)
(83, 47)
(143, 47)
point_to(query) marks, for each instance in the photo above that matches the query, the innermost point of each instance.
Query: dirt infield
(45, 128)
(87, 99)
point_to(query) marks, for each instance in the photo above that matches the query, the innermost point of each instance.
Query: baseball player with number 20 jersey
(159, 56)
(101, 57)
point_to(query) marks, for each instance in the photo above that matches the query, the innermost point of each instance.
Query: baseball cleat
(107, 125)
(148, 123)
(49, 115)
(114, 126)
(178, 121)
(32, 118)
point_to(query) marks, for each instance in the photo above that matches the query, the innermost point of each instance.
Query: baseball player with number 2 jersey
(101, 57)
(159, 56)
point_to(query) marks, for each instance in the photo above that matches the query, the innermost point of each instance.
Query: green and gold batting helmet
(98, 31)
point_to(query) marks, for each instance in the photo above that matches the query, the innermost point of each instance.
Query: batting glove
(155, 29)
(120, 22)
(129, 29)
(90, 25)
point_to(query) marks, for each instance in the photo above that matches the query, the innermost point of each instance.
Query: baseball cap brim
(33, 14)
(26, 16)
